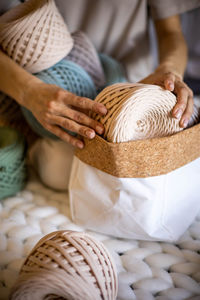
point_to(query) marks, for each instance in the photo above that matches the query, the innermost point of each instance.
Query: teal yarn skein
(69, 76)
(113, 70)
(13, 173)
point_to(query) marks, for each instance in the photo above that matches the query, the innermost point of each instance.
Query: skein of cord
(11, 116)
(12, 162)
(113, 70)
(84, 54)
(35, 35)
(67, 265)
(137, 111)
(69, 76)
(9, 111)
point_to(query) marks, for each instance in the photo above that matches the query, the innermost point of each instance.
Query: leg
(52, 161)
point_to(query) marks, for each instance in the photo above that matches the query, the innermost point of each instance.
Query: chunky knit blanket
(146, 270)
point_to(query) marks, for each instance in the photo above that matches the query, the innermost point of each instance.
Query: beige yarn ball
(35, 35)
(67, 265)
(137, 111)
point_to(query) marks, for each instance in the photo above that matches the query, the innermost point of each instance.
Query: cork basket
(67, 265)
(144, 189)
(140, 157)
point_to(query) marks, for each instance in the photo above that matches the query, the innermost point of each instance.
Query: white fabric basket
(142, 180)
(153, 208)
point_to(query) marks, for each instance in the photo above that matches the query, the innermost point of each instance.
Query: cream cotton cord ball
(35, 35)
(137, 111)
(67, 265)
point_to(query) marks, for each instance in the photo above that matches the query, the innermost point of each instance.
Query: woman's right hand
(56, 108)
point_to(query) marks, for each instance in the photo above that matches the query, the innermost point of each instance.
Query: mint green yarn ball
(12, 162)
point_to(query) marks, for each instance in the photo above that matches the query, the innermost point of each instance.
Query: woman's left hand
(173, 82)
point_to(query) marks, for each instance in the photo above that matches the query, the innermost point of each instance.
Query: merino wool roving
(137, 111)
(67, 265)
(84, 54)
(12, 162)
(35, 35)
(69, 76)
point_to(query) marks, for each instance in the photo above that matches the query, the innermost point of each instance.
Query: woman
(120, 29)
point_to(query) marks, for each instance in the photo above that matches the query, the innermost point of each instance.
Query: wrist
(27, 89)
(168, 67)
(14, 80)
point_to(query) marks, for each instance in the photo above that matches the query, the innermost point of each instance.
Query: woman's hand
(173, 82)
(56, 108)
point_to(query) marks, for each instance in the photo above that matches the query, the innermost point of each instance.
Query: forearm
(171, 45)
(172, 63)
(14, 80)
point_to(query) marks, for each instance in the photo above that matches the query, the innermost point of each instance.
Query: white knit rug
(147, 270)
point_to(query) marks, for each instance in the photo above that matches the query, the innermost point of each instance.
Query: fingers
(172, 81)
(69, 114)
(67, 111)
(74, 107)
(169, 81)
(85, 103)
(73, 126)
(187, 113)
(184, 107)
(83, 119)
(59, 132)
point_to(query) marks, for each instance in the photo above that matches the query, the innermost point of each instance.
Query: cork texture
(142, 158)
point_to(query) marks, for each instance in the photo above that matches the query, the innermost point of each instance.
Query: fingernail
(80, 145)
(103, 110)
(99, 129)
(90, 134)
(185, 122)
(178, 113)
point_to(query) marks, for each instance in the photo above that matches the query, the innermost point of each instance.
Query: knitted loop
(34, 35)
(84, 54)
(62, 259)
(137, 111)
(12, 162)
(146, 269)
(69, 76)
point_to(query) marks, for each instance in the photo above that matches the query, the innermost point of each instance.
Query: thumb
(169, 81)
